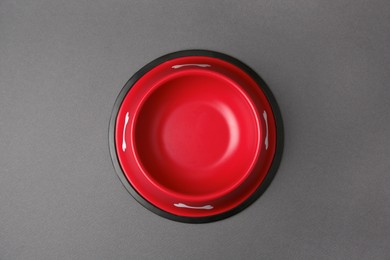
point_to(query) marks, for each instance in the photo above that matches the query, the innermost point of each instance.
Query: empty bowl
(196, 136)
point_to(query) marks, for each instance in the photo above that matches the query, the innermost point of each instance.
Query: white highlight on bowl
(191, 64)
(182, 205)
(266, 126)
(124, 131)
(234, 130)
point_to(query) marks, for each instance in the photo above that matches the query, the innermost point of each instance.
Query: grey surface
(62, 64)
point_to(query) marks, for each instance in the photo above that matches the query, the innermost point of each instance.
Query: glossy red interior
(195, 136)
(190, 135)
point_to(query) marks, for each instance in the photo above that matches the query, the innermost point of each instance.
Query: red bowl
(196, 136)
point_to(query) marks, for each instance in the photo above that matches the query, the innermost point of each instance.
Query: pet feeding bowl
(196, 136)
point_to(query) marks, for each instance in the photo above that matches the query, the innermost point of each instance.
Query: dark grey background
(62, 64)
